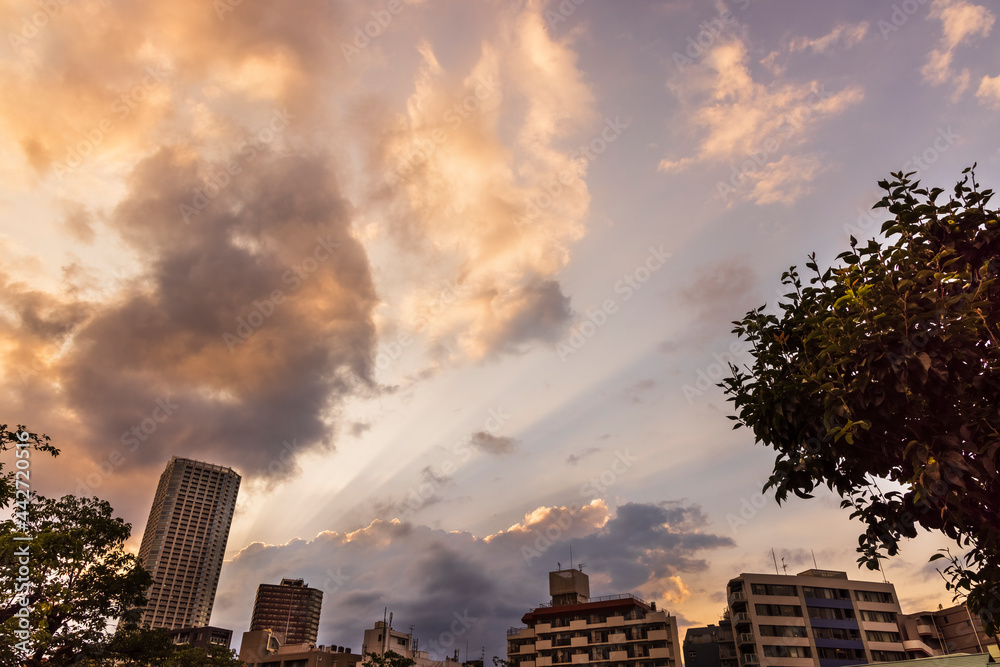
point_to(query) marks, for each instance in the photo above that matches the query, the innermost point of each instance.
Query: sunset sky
(450, 283)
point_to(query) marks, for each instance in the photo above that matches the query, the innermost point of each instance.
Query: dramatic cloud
(490, 219)
(493, 444)
(960, 21)
(755, 126)
(491, 581)
(848, 35)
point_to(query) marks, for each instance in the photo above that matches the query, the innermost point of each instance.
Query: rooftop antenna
(775, 559)
(581, 566)
(814, 559)
(783, 566)
(559, 565)
(571, 555)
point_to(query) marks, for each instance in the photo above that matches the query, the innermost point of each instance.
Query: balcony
(543, 644)
(741, 617)
(580, 658)
(617, 655)
(578, 641)
(745, 638)
(737, 596)
(749, 659)
(617, 638)
(657, 635)
(662, 652)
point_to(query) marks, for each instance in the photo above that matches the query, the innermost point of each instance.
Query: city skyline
(450, 284)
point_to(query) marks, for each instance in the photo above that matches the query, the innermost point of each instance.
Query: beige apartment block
(818, 618)
(264, 648)
(185, 541)
(383, 638)
(951, 630)
(608, 631)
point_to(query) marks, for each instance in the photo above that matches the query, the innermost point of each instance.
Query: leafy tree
(388, 659)
(11, 440)
(81, 579)
(213, 656)
(886, 367)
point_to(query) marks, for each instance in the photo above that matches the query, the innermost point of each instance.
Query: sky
(450, 284)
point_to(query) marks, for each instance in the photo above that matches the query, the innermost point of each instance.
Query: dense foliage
(886, 367)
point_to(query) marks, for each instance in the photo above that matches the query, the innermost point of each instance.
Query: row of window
(825, 612)
(821, 593)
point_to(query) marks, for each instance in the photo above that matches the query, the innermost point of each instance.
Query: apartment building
(185, 541)
(951, 630)
(710, 646)
(609, 631)
(818, 618)
(290, 608)
(264, 648)
(383, 638)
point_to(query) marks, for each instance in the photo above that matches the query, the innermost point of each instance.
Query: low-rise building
(264, 648)
(202, 637)
(818, 618)
(609, 631)
(383, 638)
(951, 630)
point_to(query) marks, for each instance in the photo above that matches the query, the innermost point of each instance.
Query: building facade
(383, 638)
(185, 541)
(263, 648)
(202, 637)
(610, 631)
(290, 608)
(818, 618)
(710, 646)
(951, 630)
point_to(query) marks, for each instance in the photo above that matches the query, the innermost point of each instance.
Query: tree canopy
(886, 367)
(11, 439)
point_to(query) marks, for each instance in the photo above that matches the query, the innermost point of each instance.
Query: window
(840, 653)
(874, 596)
(836, 633)
(878, 616)
(782, 631)
(880, 636)
(829, 612)
(778, 610)
(826, 593)
(773, 589)
(888, 656)
(787, 651)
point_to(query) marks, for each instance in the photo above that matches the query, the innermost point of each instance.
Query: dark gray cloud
(576, 457)
(496, 445)
(244, 324)
(431, 577)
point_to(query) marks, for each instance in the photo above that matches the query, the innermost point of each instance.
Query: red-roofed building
(609, 631)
